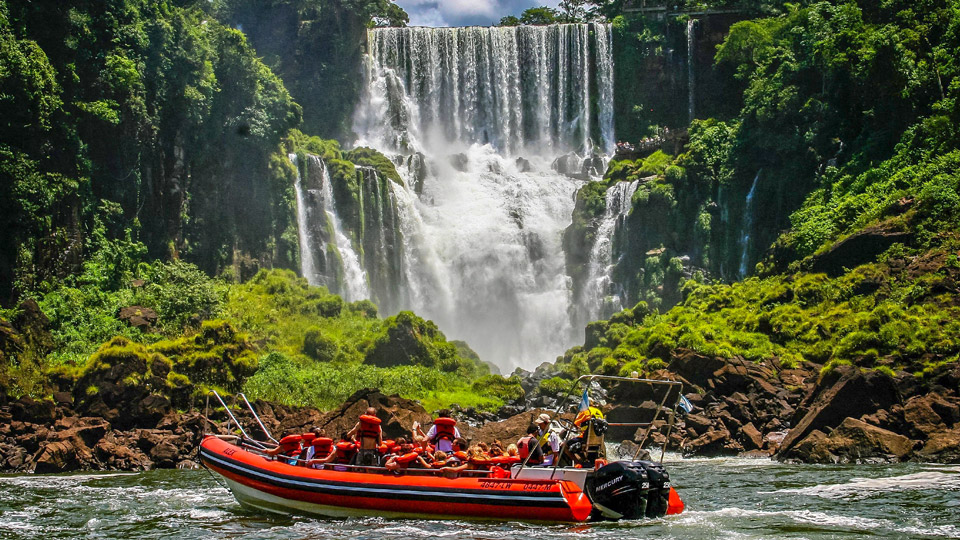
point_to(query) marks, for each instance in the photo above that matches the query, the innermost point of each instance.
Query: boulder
(853, 441)
(942, 447)
(844, 392)
(859, 248)
(64, 455)
(41, 411)
(711, 443)
(139, 317)
(920, 418)
(750, 437)
(166, 454)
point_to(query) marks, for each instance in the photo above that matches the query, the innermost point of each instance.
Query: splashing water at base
(725, 498)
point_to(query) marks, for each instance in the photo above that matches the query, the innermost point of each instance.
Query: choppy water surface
(726, 498)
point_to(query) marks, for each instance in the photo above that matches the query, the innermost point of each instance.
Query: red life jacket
(369, 427)
(445, 429)
(290, 445)
(505, 460)
(322, 446)
(407, 458)
(524, 445)
(308, 438)
(462, 456)
(345, 452)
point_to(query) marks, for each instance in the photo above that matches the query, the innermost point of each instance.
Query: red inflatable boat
(259, 482)
(627, 489)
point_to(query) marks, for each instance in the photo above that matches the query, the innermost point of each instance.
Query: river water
(726, 498)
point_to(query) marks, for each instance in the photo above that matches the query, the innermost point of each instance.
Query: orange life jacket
(445, 429)
(407, 458)
(461, 455)
(322, 446)
(524, 448)
(345, 452)
(290, 445)
(369, 427)
(505, 460)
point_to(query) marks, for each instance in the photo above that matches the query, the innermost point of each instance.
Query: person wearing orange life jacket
(369, 436)
(443, 431)
(287, 450)
(529, 446)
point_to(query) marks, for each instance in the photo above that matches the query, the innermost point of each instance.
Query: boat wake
(861, 488)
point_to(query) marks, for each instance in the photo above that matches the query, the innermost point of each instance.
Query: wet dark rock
(859, 248)
(853, 441)
(40, 411)
(523, 165)
(460, 162)
(844, 392)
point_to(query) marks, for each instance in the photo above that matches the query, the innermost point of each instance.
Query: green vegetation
(880, 316)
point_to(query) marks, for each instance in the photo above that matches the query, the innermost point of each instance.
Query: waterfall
(340, 268)
(691, 66)
(748, 211)
(476, 117)
(353, 286)
(307, 264)
(601, 296)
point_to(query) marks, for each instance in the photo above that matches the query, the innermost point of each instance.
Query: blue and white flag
(685, 404)
(584, 401)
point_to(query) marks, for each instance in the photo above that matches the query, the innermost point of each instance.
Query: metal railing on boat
(589, 380)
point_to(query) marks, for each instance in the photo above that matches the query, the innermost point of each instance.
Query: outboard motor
(620, 490)
(659, 494)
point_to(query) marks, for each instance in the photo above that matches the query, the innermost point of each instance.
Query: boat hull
(264, 484)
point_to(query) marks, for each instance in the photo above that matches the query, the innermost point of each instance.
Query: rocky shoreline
(740, 409)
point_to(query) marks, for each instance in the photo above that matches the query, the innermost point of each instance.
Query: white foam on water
(861, 488)
(828, 521)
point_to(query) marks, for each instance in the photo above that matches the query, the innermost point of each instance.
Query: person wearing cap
(548, 439)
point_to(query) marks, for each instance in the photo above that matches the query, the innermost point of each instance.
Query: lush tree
(538, 16)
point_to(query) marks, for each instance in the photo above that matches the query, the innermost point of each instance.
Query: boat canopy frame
(587, 381)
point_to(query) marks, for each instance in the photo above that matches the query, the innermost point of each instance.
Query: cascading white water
(354, 282)
(341, 270)
(748, 211)
(485, 112)
(599, 297)
(307, 264)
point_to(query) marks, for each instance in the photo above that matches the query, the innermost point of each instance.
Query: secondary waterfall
(322, 235)
(601, 296)
(748, 211)
(476, 119)
(307, 264)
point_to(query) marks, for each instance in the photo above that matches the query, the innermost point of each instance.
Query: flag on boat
(583, 413)
(685, 404)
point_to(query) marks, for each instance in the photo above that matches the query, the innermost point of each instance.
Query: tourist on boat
(288, 449)
(442, 433)
(321, 448)
(529, 446)
(369, 436)
(513, 450)
(548, 439)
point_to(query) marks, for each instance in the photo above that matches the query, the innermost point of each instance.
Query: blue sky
(465, 12)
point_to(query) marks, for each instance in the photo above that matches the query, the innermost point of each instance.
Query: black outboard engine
(659, 494)
(620, 490)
